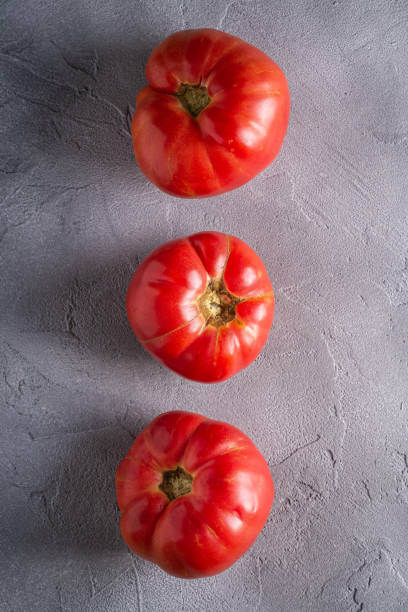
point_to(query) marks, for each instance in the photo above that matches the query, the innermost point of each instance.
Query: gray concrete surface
(326, 401)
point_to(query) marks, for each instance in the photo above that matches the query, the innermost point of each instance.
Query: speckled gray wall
(326, 402)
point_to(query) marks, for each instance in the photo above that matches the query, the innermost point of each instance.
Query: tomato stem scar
(176, 482)
(194, 98)
(217, 305)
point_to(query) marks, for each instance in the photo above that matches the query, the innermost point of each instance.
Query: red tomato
(214, 114)
(194, 494)
(202, 305)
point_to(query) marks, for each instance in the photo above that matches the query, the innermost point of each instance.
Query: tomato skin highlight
(237, 134)
(204, 531)
(202, 305)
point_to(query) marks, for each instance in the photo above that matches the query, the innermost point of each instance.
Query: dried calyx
(194, 98)
(217, 305)
(176, 482)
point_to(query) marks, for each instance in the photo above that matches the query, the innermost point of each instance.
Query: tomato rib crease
(172, 331)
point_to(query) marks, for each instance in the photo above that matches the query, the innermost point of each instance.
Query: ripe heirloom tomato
(202, 305)
(194, 494)
(213, 116)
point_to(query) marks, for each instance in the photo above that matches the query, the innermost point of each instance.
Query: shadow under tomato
(75, 508)
(73, 100)
(84, 309)
(72, 111)
(84, 513)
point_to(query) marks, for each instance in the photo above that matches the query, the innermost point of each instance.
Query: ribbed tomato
(214, 114)
(202, 305)
(194, 494)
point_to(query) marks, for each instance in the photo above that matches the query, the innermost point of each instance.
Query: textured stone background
(326, 401)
